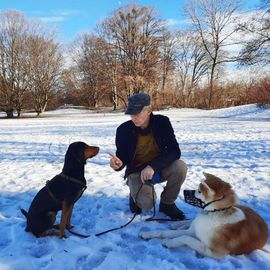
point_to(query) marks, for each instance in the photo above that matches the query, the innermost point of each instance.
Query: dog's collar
(207, 204)
(217, 210)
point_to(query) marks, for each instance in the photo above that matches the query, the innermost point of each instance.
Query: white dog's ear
(210, 191)
(207, 175)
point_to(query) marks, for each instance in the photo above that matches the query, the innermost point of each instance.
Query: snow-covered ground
(232, 143)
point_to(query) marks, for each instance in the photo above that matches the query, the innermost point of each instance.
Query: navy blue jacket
(162, 130)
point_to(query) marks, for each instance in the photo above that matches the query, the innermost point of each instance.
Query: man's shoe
(134, 208)
(172, 211)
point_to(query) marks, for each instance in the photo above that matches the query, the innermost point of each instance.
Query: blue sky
(71, 17)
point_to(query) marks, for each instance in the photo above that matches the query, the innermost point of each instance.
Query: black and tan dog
(60, 193)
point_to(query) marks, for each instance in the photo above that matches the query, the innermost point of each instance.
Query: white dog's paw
(171, 243)
(144, 235)
(182, 225)
(164, 243)
(168, 243)
(176, 225)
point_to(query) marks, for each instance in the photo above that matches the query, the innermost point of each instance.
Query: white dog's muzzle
(190, 198)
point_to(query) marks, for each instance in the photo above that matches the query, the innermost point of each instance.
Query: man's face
(141, 119)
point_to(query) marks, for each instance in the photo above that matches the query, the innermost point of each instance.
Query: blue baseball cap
(137, 102)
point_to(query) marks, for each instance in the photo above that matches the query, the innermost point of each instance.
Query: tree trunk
(114, 98)
(211, 88)
(19, 113)
(9, 113)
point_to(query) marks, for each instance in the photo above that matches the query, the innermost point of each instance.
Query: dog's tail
(24, 213)
(26, 216)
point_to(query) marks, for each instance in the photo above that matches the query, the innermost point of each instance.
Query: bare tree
(91, 63)
(167, 48)
(13, 29)
(191, 64)
(29, 63)
(43, 65)
(71, 86)
(135, 33)
(257, 49)
(214, 20)
(113, 65)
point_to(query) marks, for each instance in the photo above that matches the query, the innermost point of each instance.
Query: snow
(231, 143)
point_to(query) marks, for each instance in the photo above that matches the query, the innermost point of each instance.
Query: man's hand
(147, 173)
(115, 162)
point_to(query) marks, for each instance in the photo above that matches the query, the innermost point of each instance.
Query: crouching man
(147, 146)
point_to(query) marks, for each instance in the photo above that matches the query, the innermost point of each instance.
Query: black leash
(110, 230)
(101, 233)
(125, 225)
(154, 213)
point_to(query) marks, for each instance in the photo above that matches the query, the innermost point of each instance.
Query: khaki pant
(175, 175)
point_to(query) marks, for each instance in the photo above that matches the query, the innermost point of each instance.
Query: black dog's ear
(76, 152)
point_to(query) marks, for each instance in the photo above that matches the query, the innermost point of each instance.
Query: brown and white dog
(222, 228)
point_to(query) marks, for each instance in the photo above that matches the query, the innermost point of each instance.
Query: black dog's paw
(56, 226)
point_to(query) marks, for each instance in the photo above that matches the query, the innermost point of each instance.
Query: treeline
(133, 50)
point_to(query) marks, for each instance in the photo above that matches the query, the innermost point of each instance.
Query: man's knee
(182, 166)
(134, 182)
(146, 197)
(179, 167)
(145, 203)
